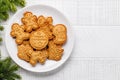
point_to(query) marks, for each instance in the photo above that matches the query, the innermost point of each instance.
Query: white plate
(58, 17)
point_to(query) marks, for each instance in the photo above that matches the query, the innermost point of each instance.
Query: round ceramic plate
(58, 18)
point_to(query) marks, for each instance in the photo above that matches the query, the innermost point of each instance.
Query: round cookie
(38, 40)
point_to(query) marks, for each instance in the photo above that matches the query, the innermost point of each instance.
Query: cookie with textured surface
(55, 52)
(24, 51)
(60, 33)
(38, 56)
(18, 33)
(38, 40)
(30, 21)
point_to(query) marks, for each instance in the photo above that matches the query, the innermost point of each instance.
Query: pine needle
(1, 28)
(0, 39)
(8, 70)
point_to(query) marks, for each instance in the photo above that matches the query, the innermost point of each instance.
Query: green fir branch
(8, 70)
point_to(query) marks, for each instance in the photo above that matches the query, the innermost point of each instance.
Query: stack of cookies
(38, 39)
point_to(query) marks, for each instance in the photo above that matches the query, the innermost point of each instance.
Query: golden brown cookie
(47, 30)
(34, 58)
(38, 40)
(49, 20)
(18, 33)
(38, 56)
(43, 56)
(30, 21)
(41, 21)
(60, 33)
(55, 52)
(25, 51)
(45, 24)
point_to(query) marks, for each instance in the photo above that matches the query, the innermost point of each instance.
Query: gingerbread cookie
(41, 21)
(30, 21)
(34, 58)
(46, 25)
(47, 30)
(55, 52)
(49, 20)
(38, 56)
(38, 40)
(43, 56)
(25, 51)
(60, 33)
(18, 33)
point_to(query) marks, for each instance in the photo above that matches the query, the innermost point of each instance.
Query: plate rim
(63, 61)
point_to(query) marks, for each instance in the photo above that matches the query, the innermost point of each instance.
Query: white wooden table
(96, 53)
